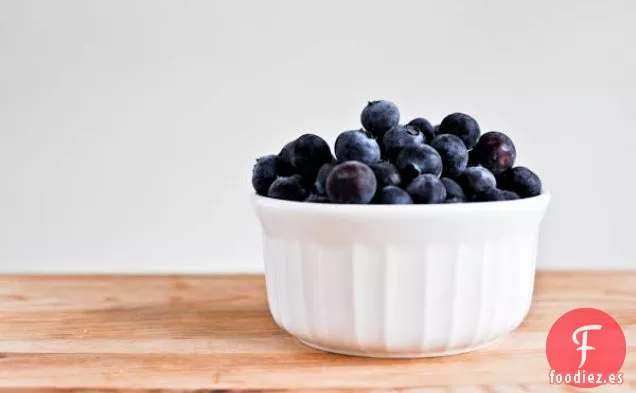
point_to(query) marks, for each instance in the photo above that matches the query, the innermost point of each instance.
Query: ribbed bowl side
(428, 298)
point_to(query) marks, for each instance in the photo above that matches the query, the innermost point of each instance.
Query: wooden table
(169, 334)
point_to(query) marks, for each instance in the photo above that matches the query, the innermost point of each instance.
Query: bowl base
(400, 355)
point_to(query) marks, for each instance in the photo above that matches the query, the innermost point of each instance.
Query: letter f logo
(584, 347)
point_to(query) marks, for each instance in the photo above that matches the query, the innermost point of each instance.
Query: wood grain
(170, 334)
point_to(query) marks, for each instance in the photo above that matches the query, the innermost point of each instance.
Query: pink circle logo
(586, 348)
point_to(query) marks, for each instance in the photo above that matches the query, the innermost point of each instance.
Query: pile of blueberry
(388, 163)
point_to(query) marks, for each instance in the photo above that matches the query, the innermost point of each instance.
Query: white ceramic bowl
(400, 280)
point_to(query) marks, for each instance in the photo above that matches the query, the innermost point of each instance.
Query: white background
(128, 129)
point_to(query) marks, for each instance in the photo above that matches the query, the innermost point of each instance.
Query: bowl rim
(539, 202)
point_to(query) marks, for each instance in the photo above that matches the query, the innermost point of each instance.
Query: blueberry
(488, 195)
(398, 137)
(427, 188)
(454, 200)
(379, 116)
(287, 153)
(522, 181)
(472, 159)
(494, 151)
(418, 159)
(424, 126)
(494, 194)
(476, 179)
(357, 145)
(264, 172)
(309, 153)
(386, 174)
(453, 190)
(351, 182)
(392, 195)
(317, 198)
(453, 152)
(267, 169)
(321, 178)
(510, 195)
(463, 126)
(290, 188)
(436, 129)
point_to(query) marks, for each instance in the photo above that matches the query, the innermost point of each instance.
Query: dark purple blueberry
(317, 199)
(321, 178)
(463, 126)
(494, 151)
(378, 117)
(289, 188)
(493, 195)
(357, 145)
(510, 195)
(424, 126)
(399, 137)
(522, 181)
(453, 152)
(264, 172)
(427, 189)
(392, 195)
(418, 159)
(351, 182)
(287, 153)
(476, 179)
(453, 190)
(310, 152)
(386, 174)
(472, 160)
